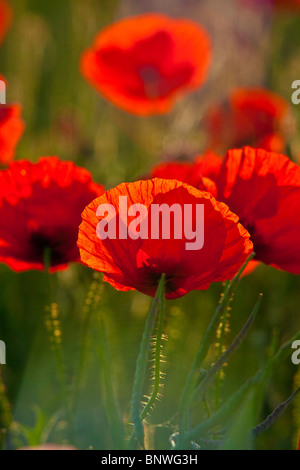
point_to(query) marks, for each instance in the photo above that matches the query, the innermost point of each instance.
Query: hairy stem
(141, 367)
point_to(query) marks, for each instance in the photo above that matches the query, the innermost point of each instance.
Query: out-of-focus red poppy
(207, 165)
(40, 208)
(278, 5)
(263, 189)
(138, 263)
(143, 64)
(251, 116)
(5, 18)
(11, 130)
(287, 4)
(172, 170)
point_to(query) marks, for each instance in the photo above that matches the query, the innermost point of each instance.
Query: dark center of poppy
(258, 243)
(41, 244)
(151, 79)
(153, 278)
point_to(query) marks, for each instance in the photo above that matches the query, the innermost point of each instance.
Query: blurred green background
(65, 117)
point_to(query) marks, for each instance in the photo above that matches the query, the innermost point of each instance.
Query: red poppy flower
(137, 262)
(280, 5)
(287, 4)
(5, 18)
(173, 170)
(11, 130)
(252, 116)
(207, 165)
(203, 174)
(40, 208)
(142, 64)
(263, 189)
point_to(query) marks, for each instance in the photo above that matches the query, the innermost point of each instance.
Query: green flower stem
(203, 351)
(141, 366)
(157, 358)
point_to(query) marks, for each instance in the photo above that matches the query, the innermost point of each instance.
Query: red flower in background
(279, 5)
(172, 170)
(263, 189)
(207, 167)
(142, 64)
(40, 208)
(204, 166)
(287, 4)
(11, 130)
(5, 18)
(139, 263)
(203, 173)
(252, 116)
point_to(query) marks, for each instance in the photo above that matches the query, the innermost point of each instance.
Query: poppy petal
(11, 130)
(40, 207)
(263, 188)
(5, 18)
(138, 263)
